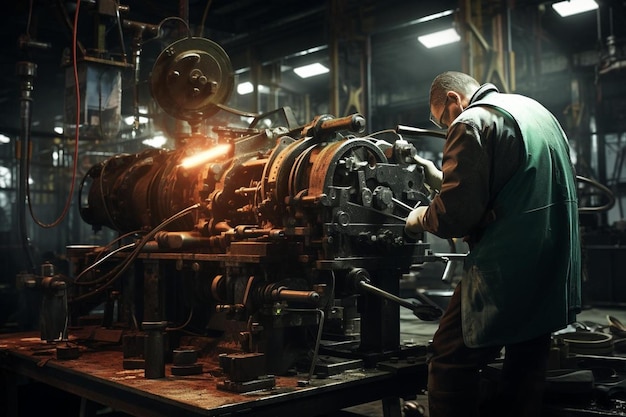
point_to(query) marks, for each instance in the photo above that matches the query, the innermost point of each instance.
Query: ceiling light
(433, 16)
(157, 141)
(443, 37)
(245, 88)
(571, 7)
(310, 70)
(130, 120)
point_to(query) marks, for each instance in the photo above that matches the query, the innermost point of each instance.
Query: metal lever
(428, 312)
(404, 205)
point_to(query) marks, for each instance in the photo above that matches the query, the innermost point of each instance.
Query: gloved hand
(433, 177)
(415, 222)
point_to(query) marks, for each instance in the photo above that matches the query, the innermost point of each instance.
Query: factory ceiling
(254, 31)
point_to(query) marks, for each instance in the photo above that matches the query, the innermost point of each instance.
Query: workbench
(97, 375)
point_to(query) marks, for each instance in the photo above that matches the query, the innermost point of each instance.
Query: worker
(507, 186)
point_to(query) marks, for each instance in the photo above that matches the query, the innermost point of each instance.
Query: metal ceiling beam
(485, 61)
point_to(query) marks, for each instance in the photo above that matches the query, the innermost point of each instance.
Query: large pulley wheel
(279, 169)
(191, 78)
(337, 164)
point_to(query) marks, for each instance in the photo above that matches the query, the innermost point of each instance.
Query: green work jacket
(522, 276)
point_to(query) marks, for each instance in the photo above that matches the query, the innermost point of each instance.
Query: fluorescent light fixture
(443, 37)
(308, 51)
(434, 16)
(4, 138)
(310, 70)
(58, 130)
(130, 120)
(571, 7)
(157, 141)
(245, 88)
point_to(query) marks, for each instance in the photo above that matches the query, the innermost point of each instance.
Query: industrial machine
(283, 245)
(259, 257)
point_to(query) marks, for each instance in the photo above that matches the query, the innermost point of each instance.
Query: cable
(68, 23)
(204, 16)
(117, 272)
(30, 15)
(605, 190)
(101, 260)
(68, 201)
(162, 22)
(182, 326)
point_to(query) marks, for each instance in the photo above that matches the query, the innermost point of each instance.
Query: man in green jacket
(508, 187)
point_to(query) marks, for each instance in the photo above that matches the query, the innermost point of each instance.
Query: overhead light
(245, 88)
(130, 120)
(308, 51)
(310, 70)
(4, 138)
(433, 16)
(157, 141)
(443, 37)
(571, 7)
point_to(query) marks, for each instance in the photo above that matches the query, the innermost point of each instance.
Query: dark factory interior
(190, 225)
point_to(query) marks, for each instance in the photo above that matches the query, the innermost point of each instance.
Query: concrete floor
(421, 332)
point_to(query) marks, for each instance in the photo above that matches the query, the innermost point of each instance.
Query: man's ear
(454, 96)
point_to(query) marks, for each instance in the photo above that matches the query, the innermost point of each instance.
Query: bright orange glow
(205, 156)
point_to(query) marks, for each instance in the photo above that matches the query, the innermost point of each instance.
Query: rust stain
(195, 390)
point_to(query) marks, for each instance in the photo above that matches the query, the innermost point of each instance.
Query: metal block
(242, 367)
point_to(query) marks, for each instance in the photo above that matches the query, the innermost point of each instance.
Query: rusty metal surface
(98, 375)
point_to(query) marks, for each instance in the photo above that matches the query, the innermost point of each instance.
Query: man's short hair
(451, 81)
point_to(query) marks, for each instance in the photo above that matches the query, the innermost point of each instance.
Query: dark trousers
(454, 378)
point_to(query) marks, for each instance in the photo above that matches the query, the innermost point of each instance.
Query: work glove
(415, 222)
(433, 177)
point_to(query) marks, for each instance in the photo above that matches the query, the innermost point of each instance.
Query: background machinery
(282, 244)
